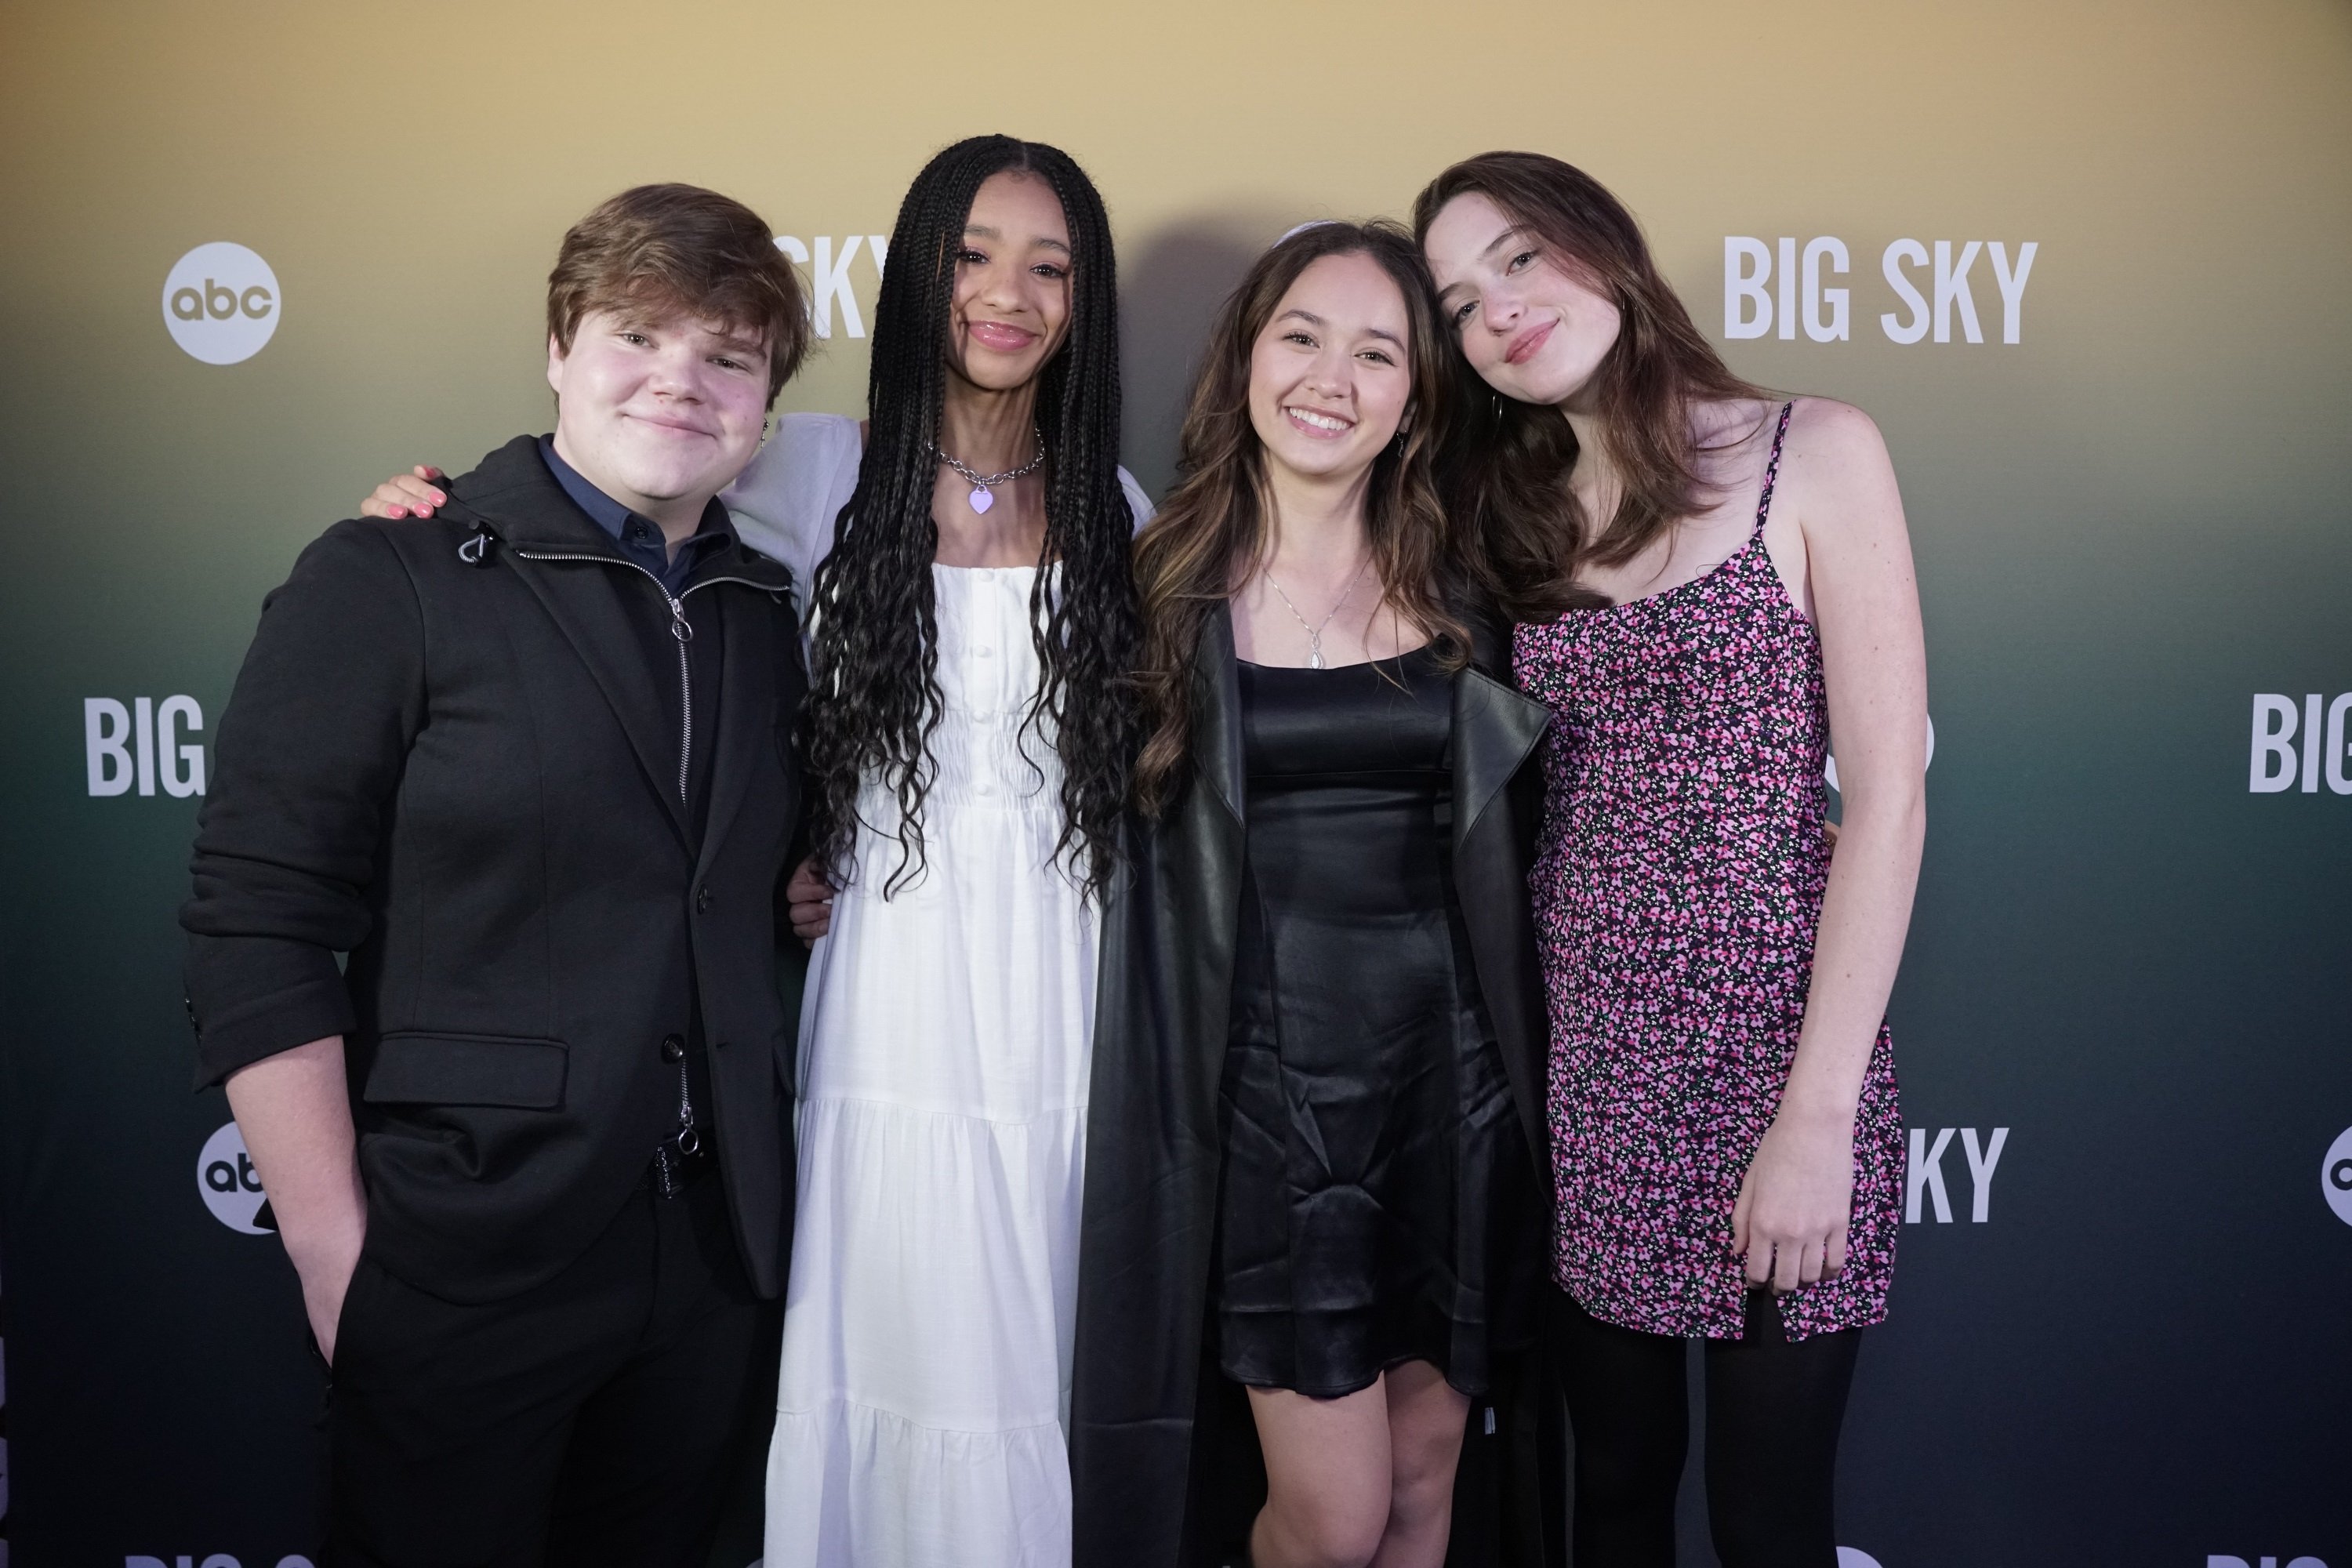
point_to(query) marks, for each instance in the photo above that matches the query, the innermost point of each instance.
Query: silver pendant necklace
(1315, 633)
(984, 486)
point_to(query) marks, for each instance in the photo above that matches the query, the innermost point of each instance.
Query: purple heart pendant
(982, 498)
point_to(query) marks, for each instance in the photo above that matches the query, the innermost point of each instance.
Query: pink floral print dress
(1677, 887)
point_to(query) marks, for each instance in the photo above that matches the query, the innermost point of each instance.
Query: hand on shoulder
(414, 493)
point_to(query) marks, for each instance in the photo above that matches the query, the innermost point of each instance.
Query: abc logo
(2336, 1177)
(221, 302)
(225, 1180)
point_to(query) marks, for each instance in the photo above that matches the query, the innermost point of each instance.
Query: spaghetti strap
(1772, 467)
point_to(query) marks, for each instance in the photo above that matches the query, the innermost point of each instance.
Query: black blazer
(1162, 1450)
(445, 756)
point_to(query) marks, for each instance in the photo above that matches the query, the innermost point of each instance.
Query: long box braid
(875, 697)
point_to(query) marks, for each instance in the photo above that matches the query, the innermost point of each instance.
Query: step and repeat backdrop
(2089, 265)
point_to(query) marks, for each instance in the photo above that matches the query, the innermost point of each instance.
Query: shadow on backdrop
(1170, 286)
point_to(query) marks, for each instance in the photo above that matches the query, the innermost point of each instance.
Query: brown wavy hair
(1212, 531)
(1505, 465)
(654, 247)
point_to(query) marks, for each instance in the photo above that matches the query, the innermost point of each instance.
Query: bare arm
(295, 1113)
(1793, 1208)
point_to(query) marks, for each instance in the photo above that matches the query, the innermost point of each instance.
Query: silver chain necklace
(984, 486)
(1315, 633)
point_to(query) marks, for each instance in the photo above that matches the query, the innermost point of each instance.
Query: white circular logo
(1851, 1557)
(2336, 1177)
(225, 1180)
(1830, 772)
(221, 302)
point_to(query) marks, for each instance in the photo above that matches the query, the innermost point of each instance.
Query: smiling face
(1329, 372)
(1011, 313)
(659, 410)
(1533, 330)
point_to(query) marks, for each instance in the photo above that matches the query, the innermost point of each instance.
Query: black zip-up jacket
(447, 757)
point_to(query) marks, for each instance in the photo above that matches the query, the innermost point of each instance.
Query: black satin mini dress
(1378, 1205)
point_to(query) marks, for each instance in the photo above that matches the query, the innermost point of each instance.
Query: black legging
(1773, 1408)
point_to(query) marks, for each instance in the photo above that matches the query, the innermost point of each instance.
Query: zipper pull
(481, 550)
(690, 1141)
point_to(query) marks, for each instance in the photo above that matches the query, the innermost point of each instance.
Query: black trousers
(586, 1421)
(1774, 1410)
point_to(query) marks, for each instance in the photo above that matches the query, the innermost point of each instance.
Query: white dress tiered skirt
(943, 1056)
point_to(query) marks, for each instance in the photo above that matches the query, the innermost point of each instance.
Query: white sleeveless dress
(944, 1045)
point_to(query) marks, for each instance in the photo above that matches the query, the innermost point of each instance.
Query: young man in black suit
(528, 765)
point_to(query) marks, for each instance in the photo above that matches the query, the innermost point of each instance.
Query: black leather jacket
(1162, 1451)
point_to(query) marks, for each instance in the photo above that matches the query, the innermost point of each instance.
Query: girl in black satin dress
(1376, 1188)
(1315, 1148)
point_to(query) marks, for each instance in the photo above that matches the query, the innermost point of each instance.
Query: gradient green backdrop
(2127, 524)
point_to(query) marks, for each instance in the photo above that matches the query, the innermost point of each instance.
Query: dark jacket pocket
(352, 1312)
(415, 1068)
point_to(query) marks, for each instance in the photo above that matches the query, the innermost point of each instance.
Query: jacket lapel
(572, 569)
(1217, 713)
(584, 602)
(1495, 728)
(748, 644)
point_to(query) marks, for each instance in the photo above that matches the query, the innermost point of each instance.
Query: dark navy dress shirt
(640, 538)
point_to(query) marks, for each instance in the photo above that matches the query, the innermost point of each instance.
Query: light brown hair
(665, 248)
(1507, 463)
(1212, 534)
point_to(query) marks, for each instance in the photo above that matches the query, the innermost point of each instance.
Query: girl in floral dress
(1711, 582)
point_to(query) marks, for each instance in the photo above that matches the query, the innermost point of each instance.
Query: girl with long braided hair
(962, 562)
